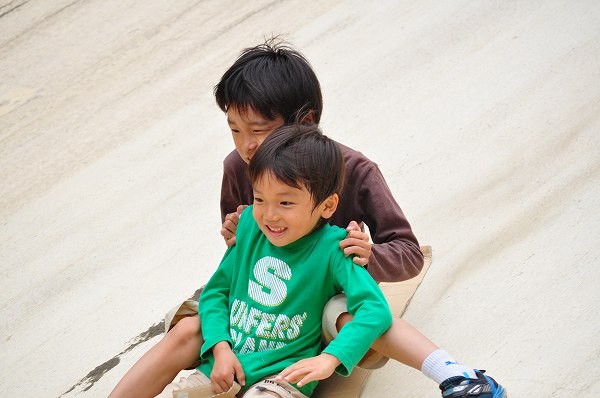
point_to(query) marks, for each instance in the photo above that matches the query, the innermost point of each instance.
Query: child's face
(285, 214)
(249, 129)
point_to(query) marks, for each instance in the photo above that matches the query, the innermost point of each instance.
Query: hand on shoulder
(357, 243)
(229, 227)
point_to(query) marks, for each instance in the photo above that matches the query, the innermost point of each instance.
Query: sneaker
(483, 387)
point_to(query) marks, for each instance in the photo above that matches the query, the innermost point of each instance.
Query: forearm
(369, 323)
(395, 261)
(214, 318)
(213, 307)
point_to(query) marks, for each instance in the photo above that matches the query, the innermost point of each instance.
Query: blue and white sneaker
(483, 387)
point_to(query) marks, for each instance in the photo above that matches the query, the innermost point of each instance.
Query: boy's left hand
(357, 243)
(310, 369)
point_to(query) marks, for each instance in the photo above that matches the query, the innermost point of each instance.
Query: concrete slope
(483, 116)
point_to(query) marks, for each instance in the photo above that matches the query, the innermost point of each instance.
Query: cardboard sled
(206, 392)
(398, 295)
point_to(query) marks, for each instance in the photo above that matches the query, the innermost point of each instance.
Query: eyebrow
(254, 123)
(280, 193)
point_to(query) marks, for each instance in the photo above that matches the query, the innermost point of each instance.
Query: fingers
(284, 373)
(359, 248)
(301, 377)
(239, 373)
(306, 378)
(221, 383)
(229, 228)
(357, 234)
(309, 369)
(362, 261)
(230, 242)
(353, 226)
(227, 235)
(292, 374)
(287, 372)
(231, 222)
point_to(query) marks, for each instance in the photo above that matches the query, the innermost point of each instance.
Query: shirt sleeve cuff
(210, 343)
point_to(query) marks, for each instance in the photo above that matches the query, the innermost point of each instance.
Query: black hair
(300, 155)
(274, 80)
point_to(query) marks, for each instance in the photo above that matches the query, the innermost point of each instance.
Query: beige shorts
(196, 385)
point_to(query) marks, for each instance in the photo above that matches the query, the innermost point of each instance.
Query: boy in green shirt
(261, 311)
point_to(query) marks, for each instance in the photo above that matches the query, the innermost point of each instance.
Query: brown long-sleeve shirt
(366, 198)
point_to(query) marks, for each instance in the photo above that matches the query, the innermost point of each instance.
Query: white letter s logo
(270, 289)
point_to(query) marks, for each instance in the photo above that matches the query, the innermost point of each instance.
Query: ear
(308, 118)
(329, 205)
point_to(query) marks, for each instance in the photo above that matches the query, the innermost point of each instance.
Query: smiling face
(249, 129)
(284, 213)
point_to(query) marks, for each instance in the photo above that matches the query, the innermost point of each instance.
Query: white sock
(439, 366)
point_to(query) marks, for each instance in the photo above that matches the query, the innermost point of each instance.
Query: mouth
(246, 156)
(275, 231)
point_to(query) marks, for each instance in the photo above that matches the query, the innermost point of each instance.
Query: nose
(251, 143)
(271, 214)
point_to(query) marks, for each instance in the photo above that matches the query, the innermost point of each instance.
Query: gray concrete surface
(484, 117)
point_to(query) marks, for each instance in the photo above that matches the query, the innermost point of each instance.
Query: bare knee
(184, 331)
(343, 319)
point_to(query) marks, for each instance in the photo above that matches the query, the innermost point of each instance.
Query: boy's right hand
(230, 225)
(227, 365)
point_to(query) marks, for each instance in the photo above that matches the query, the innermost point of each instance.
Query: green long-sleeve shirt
(268, 301)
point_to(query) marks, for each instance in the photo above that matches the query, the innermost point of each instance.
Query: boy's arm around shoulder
(372, 315)
(213, 307)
